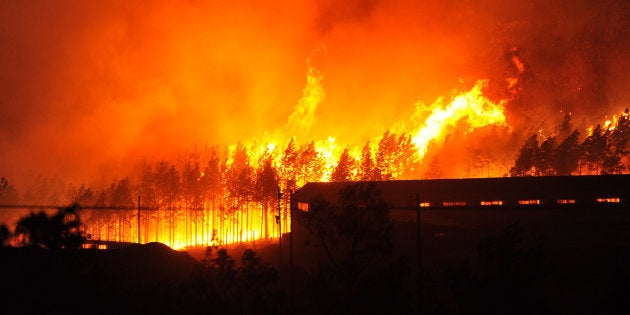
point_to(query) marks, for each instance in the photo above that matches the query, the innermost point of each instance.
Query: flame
(157, 79)
(303, 116)
(477, 109)
(298, 158)
(472, 107)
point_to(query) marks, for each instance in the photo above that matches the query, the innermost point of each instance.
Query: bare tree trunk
(266, 218)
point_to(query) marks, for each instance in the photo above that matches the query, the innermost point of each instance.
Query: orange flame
(473, 106)
(393, 154)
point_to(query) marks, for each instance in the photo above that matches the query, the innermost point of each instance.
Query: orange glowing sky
(86, 84)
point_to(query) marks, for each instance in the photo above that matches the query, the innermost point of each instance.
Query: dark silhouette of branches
(63, 230)
(525, 160)
(5, 235)
(250, 288)
(354, 230)
(605, 150)
(345, 168)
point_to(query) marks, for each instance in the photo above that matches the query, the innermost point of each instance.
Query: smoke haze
(87, 84)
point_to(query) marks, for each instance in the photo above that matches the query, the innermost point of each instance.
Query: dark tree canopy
(605, 150)
(343, 171)
(355, 230)
(525, 161)
(5, 235)
(568, 154)
(62, 230)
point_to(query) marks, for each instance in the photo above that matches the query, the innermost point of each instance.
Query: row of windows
(529, 202)
(426, 204)
(608, 200)
(303, 206)
(453, 203)
(492, 203)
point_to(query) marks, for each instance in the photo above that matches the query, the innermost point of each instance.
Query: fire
(221, 99)
(303, 115)
(251, 188)
(241, 193)
(473, 106)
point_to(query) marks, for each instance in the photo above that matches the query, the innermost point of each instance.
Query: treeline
(604, 150)
(239, 171)
(214, 194)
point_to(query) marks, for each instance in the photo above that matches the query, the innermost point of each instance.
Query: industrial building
(449, 216)
(503, 192)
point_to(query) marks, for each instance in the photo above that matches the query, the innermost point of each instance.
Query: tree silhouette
(354, 232)
(526, 158)
(345, 167)
(240, 175)
(545, 157)
(386, 155)
(510, 270)
(266, 189)
(147, 187)
(256, 282)
(568, 154)
(310, 164)
(594, 149)
(84, 196)
(357, 270)
(212, 181)
(617, 142)
(394, 156)
(121, 194)
(367, 169)
(289, 165)
(63, 230)
(248, 289)
(5, 235)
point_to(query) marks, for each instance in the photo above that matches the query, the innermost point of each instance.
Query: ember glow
(205, 108)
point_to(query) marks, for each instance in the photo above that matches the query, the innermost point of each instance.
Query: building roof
(408, 194)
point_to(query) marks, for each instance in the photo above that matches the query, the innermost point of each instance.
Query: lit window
(492, 203)
(529, 202)
(303, 206)
(608, 200)
(425, 204)
(453, 203)
(566, 201)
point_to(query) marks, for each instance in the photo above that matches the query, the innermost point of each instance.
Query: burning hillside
(205, 109)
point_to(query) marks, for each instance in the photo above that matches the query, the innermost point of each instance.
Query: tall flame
(473, 106)
(302, 118)
(428, 124)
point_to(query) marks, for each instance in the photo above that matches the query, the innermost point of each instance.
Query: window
(608, 200)
(303, 206)
(425, 204)
(529, 202)
(492, 203)
(453, 203)
(566, 201)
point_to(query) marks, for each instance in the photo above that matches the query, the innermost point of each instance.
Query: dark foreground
(542, 264)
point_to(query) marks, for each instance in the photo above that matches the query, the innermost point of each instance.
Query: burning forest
(191, 123)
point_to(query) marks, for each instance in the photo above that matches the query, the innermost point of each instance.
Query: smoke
(87, 85)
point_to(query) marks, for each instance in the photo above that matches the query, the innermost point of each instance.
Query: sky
(85, 85)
